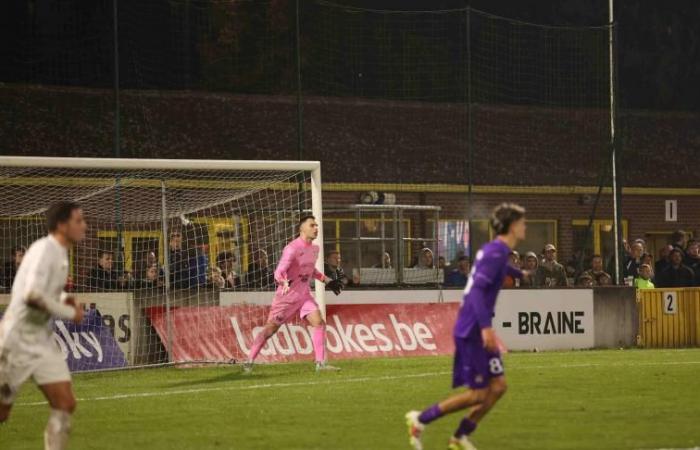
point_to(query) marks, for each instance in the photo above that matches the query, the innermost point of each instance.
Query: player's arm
(514, 272)
(281, 277)
(334, 285)
(36, 286)
(483, 279)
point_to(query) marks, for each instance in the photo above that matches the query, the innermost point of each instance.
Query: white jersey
(43, 272)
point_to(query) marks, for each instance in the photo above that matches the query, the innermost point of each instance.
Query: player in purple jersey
(477, 360)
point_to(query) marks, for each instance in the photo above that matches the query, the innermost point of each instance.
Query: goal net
(179, 256)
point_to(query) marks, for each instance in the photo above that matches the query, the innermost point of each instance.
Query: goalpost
(176, 250)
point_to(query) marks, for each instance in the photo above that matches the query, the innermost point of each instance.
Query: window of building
(539, 233)
(378, 236)
(600, 240)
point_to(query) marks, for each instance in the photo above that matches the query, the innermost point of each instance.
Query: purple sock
(430, 414)
(466, 427)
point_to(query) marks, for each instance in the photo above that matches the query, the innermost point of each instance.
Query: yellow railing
(669, 317)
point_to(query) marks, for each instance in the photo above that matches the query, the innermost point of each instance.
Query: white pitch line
(167, 393)
(611, 364)
(689, 448)
(247, 388)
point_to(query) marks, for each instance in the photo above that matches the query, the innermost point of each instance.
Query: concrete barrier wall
(606, 317)
(615, 317)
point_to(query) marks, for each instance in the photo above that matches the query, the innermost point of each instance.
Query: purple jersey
(485, 280)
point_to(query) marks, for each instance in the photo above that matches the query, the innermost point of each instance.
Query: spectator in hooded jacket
(530, 265)
(425, 259)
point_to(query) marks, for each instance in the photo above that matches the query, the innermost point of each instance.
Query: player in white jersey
(27, 348)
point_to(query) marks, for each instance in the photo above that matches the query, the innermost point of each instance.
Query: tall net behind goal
(169, 243)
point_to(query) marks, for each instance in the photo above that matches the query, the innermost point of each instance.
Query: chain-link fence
(448, 110)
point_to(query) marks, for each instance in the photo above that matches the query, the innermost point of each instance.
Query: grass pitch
(616, 399)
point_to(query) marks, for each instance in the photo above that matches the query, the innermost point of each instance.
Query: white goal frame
(314, 167)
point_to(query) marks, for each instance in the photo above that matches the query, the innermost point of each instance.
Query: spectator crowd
(677, 265)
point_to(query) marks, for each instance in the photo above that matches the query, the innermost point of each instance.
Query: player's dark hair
(504, 215)
(304, 218)
(59, 212)
(105, 252)
(18, 249)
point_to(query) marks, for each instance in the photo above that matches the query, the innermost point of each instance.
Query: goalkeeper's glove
(336, 286)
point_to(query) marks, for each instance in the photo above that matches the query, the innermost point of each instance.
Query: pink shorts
(282, 312)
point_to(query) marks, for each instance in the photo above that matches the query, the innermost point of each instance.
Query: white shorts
(16, 368)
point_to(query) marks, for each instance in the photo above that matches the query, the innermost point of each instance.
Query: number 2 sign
(670, 303)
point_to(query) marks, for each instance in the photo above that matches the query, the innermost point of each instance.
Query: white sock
(57, 430)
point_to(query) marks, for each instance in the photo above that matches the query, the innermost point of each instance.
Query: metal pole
(397, 245)
(358, 236)
(470, 146)
(300, 108)
(613, 149)
(117, 125)
(400, 259)
(317, 211)
(117, 141)
(382, 230)
(436, 243)
(166, 270)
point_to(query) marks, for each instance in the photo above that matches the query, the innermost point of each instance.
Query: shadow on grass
(280, 373)
(235, 375)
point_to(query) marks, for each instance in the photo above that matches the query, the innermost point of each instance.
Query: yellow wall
(658, 327)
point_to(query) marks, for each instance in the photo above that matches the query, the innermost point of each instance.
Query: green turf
(618, 399)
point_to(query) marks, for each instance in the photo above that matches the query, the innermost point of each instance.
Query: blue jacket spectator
(198, 267)
(458, 276)
(178, 262)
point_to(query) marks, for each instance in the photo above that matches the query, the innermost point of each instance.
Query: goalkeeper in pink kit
(293, 295)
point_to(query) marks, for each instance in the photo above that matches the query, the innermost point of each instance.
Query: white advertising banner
(553, 319)
(526, 319)
(114, 309)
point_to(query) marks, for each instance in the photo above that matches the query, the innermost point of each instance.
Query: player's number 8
(496, 366)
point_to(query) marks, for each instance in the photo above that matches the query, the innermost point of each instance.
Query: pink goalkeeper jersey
(298, 265)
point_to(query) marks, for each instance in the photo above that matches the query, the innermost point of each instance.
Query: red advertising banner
(223, 333)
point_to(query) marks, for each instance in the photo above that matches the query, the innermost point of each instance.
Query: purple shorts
(474, 366)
